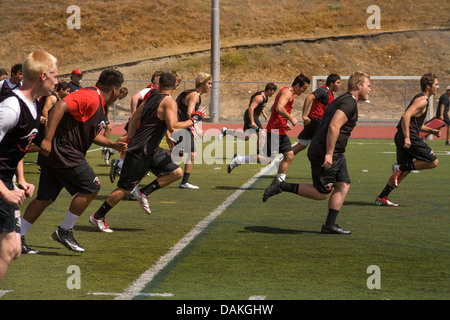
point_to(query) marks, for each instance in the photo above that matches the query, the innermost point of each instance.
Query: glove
(198, 115)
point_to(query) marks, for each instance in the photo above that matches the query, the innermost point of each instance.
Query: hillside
(114, 32)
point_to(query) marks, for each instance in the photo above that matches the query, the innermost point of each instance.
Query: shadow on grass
(272, 230)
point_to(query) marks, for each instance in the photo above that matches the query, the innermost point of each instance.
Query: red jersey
(277, 121)
(324, 96)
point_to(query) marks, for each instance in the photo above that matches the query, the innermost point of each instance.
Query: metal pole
(214, 106)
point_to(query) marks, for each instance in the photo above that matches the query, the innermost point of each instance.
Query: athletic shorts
(309, 130)
(7, 214)
(248, 124)
(134, 169)
(276, 144)
(418, 150)
(446, 119)
(80, 179)
(324, 179)
(188, 143)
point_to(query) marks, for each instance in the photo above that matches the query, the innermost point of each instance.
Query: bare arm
(284, 99)
(416, 109)
(309, 99)
(58, 112)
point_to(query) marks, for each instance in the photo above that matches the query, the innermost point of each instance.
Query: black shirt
(347, 104)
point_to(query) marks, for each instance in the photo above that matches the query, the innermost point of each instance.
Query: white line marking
(140, 294)
(149, 274)
(257, 298)
(3, 292)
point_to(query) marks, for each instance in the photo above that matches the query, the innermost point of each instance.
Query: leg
(10, 248)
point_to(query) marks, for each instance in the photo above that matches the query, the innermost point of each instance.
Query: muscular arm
(417, 108)
(251, 109)
(284, 99)
(309, 99)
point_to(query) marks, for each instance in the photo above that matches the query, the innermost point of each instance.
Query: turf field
(222, 242)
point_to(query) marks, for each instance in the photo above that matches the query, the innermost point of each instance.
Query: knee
(435, 163)
(288, 156)
(177, 174)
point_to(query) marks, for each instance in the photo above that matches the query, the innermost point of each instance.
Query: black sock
(153, 186)
(185, 177)
(386, 191)
(331, 217)
(289, 187)
(102, 211)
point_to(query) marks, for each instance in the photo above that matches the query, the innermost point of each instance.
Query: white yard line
(135, 288)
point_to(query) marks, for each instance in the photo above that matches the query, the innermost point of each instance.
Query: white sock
(281, 176)
(242, 159)
(120, 163)
(69, 221)
(24, 226)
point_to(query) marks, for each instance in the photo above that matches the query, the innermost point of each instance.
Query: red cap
(76, 71)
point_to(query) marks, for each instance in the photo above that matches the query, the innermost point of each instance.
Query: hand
(198, 115)
(28, 188)
(437, 133)
(288, 127)
(14, 197)
(306, 120)
(46, 147)
(328, 161)
(120, 146)
(294, 121)
(407, 143)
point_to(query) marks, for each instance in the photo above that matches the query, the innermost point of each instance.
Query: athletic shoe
(133, 195)
(143, 201)
(100, 224)
(66, 238)
(26, 248)
(447, 143)
(233, 163)
(334, 229)
(385, 202)
(396, 171)
(114, 171)
(273, 189)
(187, 185)
(222, 134)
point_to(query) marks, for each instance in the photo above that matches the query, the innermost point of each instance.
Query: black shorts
(7, 214)
(248, 123)
(324, 179)
(134, 169)
(276, 144)
(309, 130)
(79, 179)
(419, 150)
(188, 142)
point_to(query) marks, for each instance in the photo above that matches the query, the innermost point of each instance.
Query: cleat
(65, 237)
(108, 153)
(100, 224)
(273, 189)
(396, 171)
(132, 196)
(26, 249)
(143, 201)
(232, 164)
(385, 202)
(334, 229)
(114, 171)
(187, 185)
(222, 134)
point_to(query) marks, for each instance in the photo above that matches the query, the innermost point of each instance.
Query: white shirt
(10, 112)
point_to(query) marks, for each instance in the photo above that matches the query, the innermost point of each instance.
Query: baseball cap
(77, 72)
(448, 88)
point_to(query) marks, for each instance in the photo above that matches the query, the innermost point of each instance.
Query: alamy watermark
(374, 21)
(374, 281)
(74, 21)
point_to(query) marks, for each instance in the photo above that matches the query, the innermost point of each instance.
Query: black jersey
(347, 104)
(259, 108)
(415, 123)
(17, 141)
(6, 89)
(183, 107)
(77, 130)
(151, 129)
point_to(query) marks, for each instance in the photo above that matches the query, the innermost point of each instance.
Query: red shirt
(277, 121)
(324, 96)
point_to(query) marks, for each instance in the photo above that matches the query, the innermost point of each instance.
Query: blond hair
(355, 79)
(36, 63)
(202, 78)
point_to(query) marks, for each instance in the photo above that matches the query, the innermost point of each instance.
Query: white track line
(135, 288)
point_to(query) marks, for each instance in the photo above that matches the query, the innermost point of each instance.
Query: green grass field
(273, 250)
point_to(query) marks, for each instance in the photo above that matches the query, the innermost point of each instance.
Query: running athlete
(189, 101)
(74, 124)
(157, 115)
(320, 100)
(251, 115)
(326, 154)
(277, 140)
(407, 141)
(19, 122)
